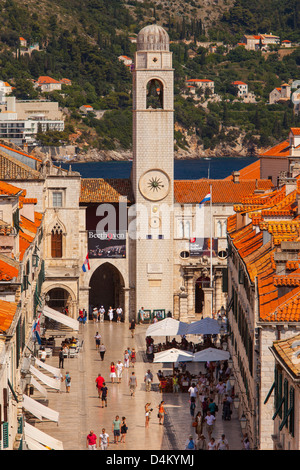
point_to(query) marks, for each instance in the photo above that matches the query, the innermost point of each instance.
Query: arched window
(155, 94)
(56, 241)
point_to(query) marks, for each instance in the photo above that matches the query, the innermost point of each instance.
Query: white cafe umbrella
(167, 327)
(211, 354)
(173, 355)
(206, 326)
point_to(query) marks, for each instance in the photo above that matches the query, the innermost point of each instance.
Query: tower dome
(153, 38)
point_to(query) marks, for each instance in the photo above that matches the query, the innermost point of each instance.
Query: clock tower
(152, 171)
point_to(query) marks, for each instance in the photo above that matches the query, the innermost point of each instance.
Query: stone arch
(107, 287)
(56, 226)
(155, 94)
(61, 296)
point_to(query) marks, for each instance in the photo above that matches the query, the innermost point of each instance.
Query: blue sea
(214, 168)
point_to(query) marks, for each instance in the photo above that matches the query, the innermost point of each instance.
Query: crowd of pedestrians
(208, 394)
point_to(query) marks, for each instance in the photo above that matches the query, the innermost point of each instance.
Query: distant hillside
(82, 39)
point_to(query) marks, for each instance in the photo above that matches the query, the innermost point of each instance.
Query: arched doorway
(59, 299)
(106, 288)
(201, 283)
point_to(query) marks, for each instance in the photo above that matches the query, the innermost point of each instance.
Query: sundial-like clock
(154, 185)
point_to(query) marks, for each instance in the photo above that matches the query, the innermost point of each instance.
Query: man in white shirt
(222, 444)
(119, 369)
(43, 355)
(101, 313)
(209, 419)
(119, 312)
(103, 440)
(193, 391)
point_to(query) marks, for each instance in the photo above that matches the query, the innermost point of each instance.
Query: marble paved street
(81, 410)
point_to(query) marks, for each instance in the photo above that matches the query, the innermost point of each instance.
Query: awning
(39, 387)
(38, 410)
(53, 383)
(54, 370)
(40, 437)
(167, 327)
(211, 355)
(61, 318)
(206, 326)
(34, 445)
(173, 355)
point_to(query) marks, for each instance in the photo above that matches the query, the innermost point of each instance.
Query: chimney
(236, 176)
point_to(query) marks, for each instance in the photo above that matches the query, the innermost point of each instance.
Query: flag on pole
(86, 264)
(205, 199)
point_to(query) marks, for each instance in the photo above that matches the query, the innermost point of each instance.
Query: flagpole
(211, 264)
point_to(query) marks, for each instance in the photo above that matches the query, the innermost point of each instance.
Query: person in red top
(113, 374)
(99, 384)
(91, 441)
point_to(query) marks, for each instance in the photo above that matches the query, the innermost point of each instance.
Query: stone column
(208, 300)
(126, 291)
(190, 294)
(218, 298)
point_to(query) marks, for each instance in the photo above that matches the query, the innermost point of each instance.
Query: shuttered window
(56, 243)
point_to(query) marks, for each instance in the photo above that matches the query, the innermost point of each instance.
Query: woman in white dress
(126, 359)
(111, 314)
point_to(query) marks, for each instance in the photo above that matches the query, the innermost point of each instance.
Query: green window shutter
(5, 434)
(225, 280)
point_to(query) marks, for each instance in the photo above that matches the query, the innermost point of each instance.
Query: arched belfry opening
(106, 287)
(155, 94)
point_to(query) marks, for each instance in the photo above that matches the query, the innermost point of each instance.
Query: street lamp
(243, 421)
(236, 402)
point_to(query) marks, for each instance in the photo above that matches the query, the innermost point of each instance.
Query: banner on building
(106, 244)
(201, 247)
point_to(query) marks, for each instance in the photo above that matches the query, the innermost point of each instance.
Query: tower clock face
(154, 185)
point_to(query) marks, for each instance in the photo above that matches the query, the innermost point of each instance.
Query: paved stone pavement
(81, 411)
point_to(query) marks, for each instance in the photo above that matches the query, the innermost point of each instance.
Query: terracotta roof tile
(223, 191)
(287, 350)
(280, 150)
(7, 313)
(108, 190)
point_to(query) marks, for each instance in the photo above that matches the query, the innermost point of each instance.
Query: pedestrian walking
(126, 359)
(119, 369)
(61, 358)
(110, 314)
(91, 441)
(226, 412)
(98, 340)
(192, 406)
(119, 313)
(201, 443)
(95, 314)
(116, 427)
(124, 429)
(102, 350)
(104, 393)
(161, 412)
(212, 445)
(101, 313)
(132, 327)
(220, 388)
(43, 355)
(175, 383)
(67, 379)
(148, 411)
(209, 419)
(103, 440)
(148, 380)
(113, 374)
(190, 443)
(246, 442)
(213, 407)
(132, 384)
(99, 384)
(222, 443)
(133, 357)
(193, 391)
(198, 424)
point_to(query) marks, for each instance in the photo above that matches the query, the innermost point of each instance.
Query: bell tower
(153, 168)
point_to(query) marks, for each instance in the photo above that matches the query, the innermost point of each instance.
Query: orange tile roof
(8, 271)
(45, 80)
(279, 150)
(199, 80)
(238, 82)
(108, 190)
(287, 350)
(10, 190)
(7, 313)
(19, 151)
(250, 172)
(295, 130)
(223, 191)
